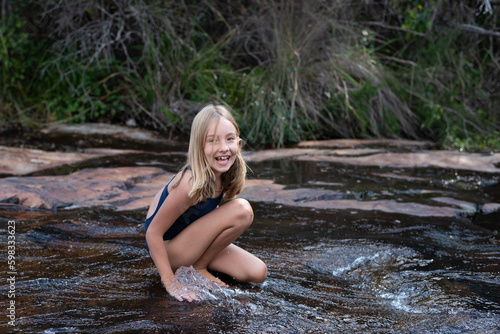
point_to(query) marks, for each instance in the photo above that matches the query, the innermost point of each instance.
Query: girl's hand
(181, 291)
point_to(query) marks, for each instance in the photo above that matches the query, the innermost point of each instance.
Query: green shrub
(19, 60)
(291, 70)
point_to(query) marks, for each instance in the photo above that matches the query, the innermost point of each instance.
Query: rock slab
(133, 188)
(125, 188)
(486, 163)
(23, 161)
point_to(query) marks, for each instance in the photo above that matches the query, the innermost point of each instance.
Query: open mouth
(222, 161)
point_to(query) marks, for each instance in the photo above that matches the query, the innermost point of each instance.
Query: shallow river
(330, 271)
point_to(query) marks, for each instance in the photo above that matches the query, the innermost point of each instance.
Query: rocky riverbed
(359, 235)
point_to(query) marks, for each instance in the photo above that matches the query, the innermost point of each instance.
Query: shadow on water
(345, 271)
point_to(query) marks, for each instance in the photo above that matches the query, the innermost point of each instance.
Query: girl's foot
(211, 277)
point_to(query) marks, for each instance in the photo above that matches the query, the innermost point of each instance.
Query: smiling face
(221, 145)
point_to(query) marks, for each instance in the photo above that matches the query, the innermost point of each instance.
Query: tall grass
(448, 74)
(312, 77)
(291, 70)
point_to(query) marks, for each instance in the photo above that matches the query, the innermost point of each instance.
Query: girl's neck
(218, 184)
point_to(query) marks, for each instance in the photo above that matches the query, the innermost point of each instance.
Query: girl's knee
(259, 273)
(243, 210)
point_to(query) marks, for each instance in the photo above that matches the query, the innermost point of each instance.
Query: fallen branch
(478, 30)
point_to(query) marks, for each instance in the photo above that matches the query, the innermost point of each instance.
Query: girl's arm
(174, 205)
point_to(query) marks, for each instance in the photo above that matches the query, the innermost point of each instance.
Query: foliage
(18, 60)
(291, 70)
(295, 92)
(449, 78)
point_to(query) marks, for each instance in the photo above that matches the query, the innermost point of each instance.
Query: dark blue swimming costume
(190, 215)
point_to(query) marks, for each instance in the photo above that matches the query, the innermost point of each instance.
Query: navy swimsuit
(190, 215)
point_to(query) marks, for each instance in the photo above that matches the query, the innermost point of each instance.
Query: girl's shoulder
(181, 184)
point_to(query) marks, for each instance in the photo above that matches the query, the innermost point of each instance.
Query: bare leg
(240, 265)
(211, 277)
(206, 242)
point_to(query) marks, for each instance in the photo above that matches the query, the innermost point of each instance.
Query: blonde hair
(233, 181)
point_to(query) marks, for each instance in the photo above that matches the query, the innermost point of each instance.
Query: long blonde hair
(233, 181)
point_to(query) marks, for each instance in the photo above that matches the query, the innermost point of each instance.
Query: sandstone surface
(108, 130)
(125, 188)
(22, 161)
(487, 163)
(132, 188)
(361, 143)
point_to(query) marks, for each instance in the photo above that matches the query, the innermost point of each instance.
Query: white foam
(204, 288)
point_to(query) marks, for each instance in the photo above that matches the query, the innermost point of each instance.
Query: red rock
(437, 159)
(358, 143)
(22, 161)
(125, 188)
(267, 191)
(284, 153)
(108, 130)
(421, 159)
(131, 188)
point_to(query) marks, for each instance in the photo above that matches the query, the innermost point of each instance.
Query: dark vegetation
(291, 70)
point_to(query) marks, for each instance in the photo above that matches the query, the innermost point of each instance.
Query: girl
(185, 225)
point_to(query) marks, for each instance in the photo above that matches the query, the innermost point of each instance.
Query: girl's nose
(223, 146)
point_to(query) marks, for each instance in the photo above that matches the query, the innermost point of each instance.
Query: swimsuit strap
(162, 199)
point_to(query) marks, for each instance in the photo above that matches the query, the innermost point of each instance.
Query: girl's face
(221, 145)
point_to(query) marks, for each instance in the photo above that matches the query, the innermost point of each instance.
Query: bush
(447, 74)
(19, 59)
(291, 70)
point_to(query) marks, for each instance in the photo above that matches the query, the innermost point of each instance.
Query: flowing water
(330, 271)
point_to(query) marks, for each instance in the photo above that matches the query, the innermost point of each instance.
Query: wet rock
(490, 208)
(22, 161)
(268, 191)
(361, 143)
(434, 159)
(131, 188)
(265, 155)
(286, 153)
(463, 205)
(126, 188)
(109, 130)
(487, 163)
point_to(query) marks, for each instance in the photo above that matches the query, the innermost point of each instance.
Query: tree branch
(478, 30)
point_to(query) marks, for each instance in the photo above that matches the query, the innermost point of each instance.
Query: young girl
(185, 225)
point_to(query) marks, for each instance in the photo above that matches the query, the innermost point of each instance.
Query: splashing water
(190, 280)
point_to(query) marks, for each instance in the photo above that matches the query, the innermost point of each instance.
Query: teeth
(222, 158)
